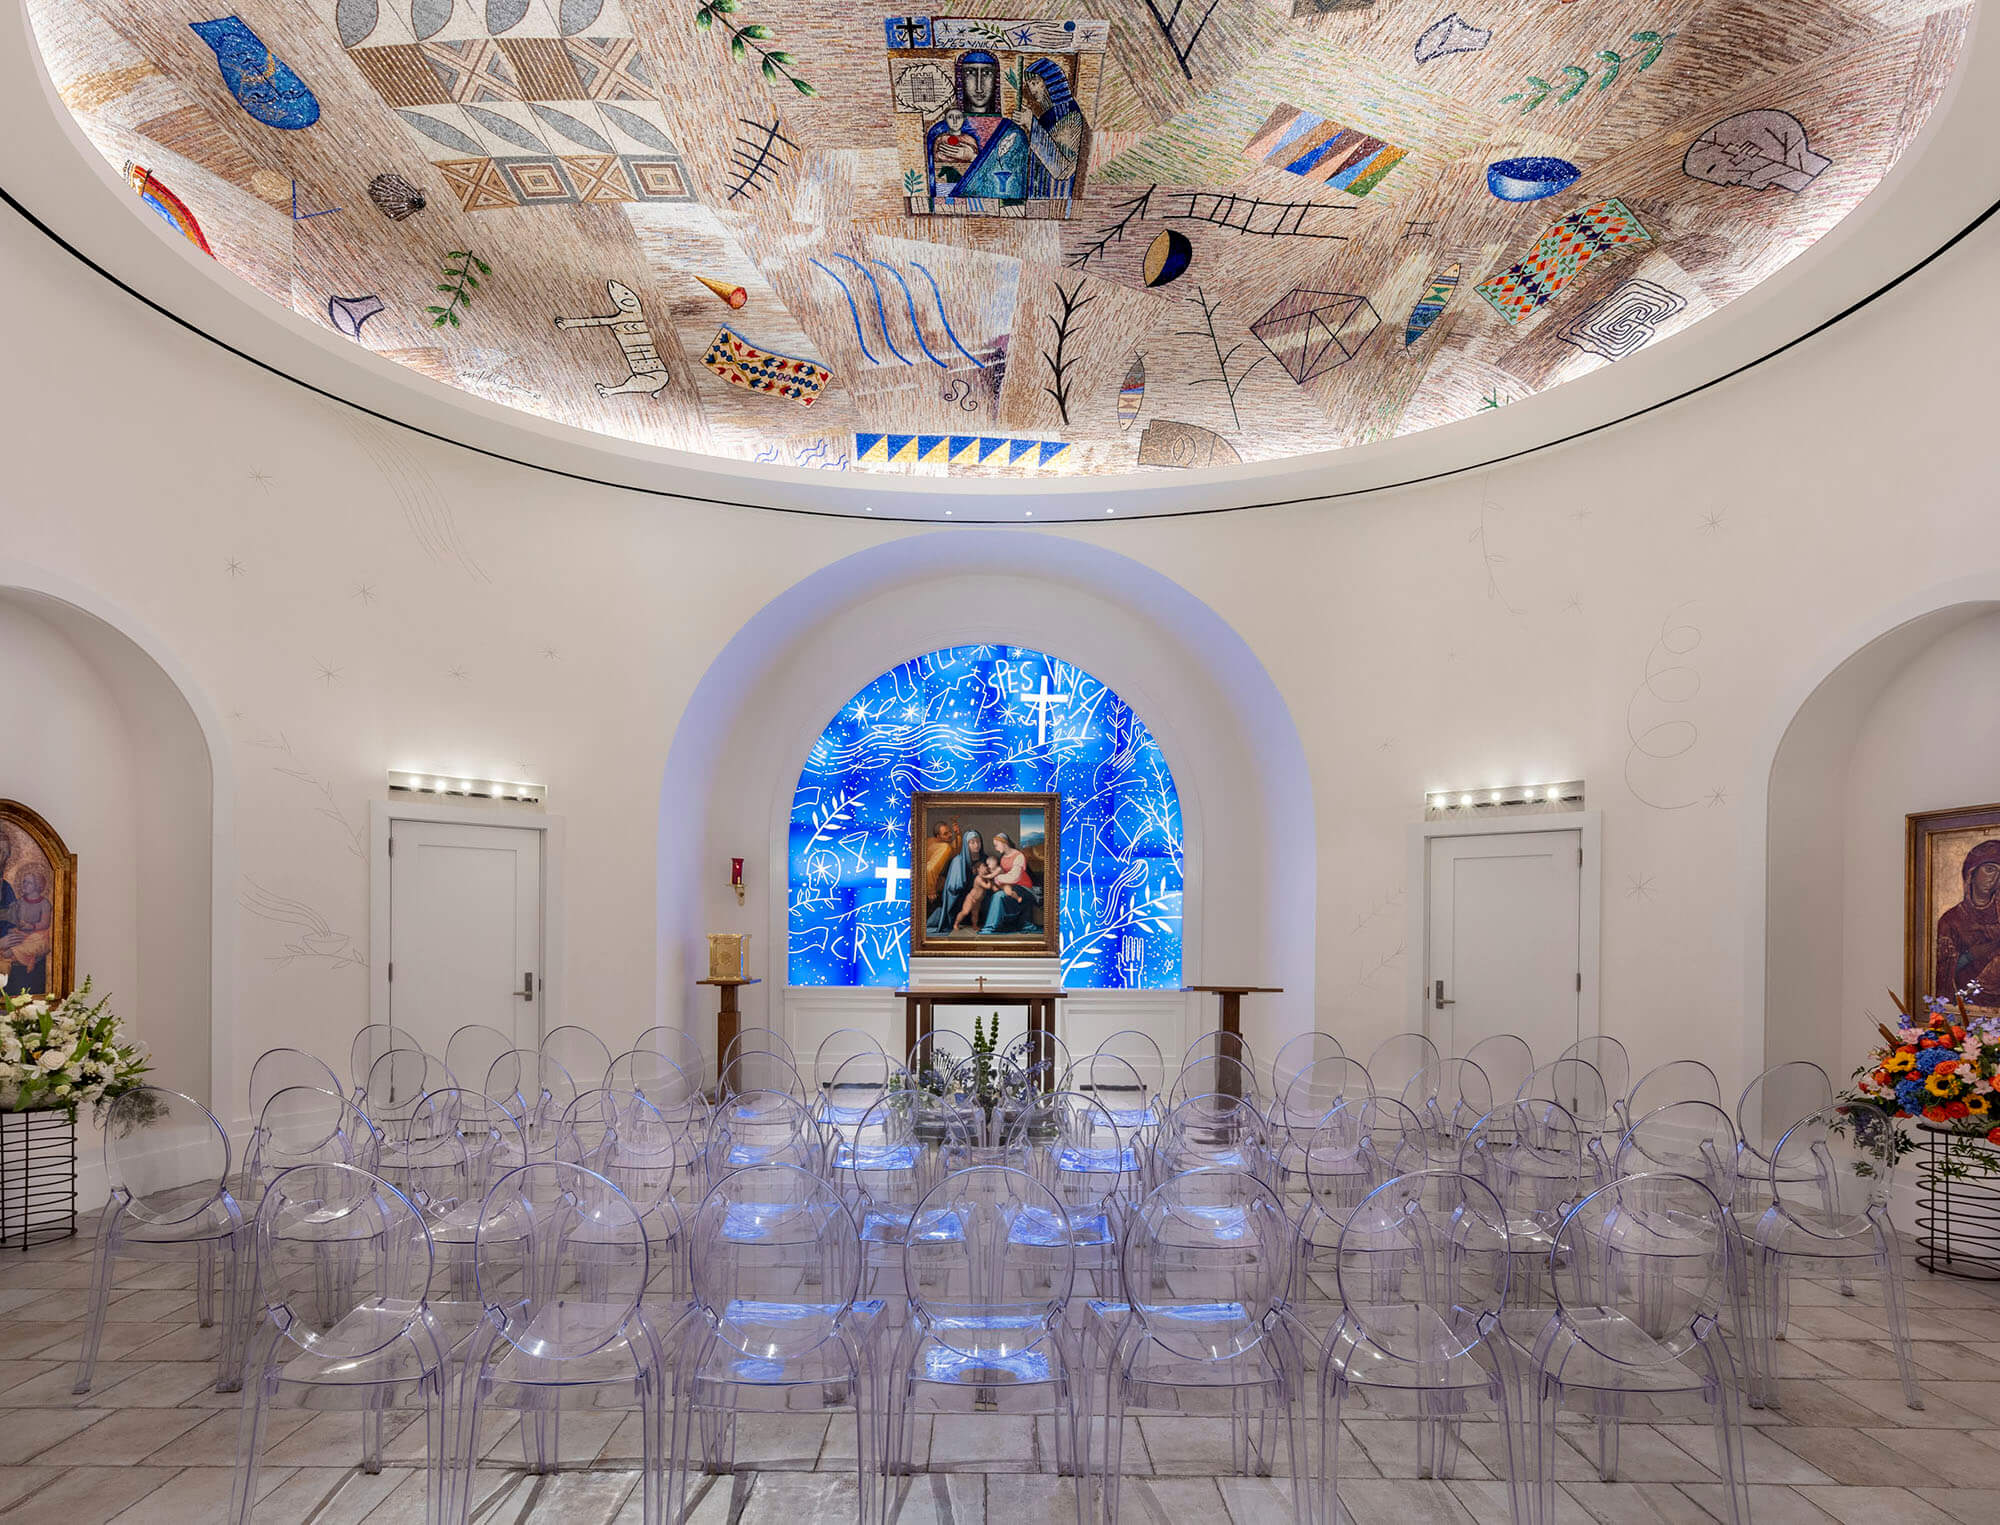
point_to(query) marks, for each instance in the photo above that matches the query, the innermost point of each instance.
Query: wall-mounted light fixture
(736, 878)
(452, 786)
(1509, 799)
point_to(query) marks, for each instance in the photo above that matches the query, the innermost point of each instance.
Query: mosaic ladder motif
(1564, 248)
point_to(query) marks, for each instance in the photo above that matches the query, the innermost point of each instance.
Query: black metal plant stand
(37, 1176)
(1958, 1205)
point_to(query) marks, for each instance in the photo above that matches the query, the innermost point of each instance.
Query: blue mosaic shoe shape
(262, 83)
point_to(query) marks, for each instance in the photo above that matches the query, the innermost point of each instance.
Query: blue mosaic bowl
(1530, 179)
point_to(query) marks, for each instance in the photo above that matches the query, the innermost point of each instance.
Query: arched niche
(1237, 762)
(124, 754)
(1826, 940)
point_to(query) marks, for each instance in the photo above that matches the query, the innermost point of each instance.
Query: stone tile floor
(154, 1444)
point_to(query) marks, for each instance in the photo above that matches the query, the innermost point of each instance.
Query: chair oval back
(319, 1216)
(760, 1069)
(856, 1086)
(944, 1054)
(1638, 1268)
(1533, 1156)
(1142, 1053)
(1507, 1060)
(1691, 1138)
(1361, 1142)
(1213, 1130)
(836, 1048)
(1215, 1074)
(761, 1128)
(584, 1056)
(1576, 1086)
(1036, 1061)
(307, 1125)
(1398, 1059)
(1420, 1265)
(280, 1069)
(469, 1053)
(561, 1252)
(990, 1262)
(1075, 1147)
(1208, 1257)
(1219, 1043)
(454, 1147)
(684, 1048)
(1775, 1100)
(1664, 1084)
(660, 1079)
(166, 1152)
(624, 1138)
(760, 1040)
(1299, 1054)
(1120, 1086)
(1608, 1057)
(370, 1044)
(535, 1088)
(397, 1082)
(879, 1160)
(1317, 1090)
(1449, 1097)
(756, 1236)
(1831, 1172)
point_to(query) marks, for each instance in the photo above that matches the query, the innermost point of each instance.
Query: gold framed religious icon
(1951, 937)
(986, 876)
(37, 905)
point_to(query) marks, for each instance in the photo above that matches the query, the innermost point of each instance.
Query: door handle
(527, 990)
(1439, 997)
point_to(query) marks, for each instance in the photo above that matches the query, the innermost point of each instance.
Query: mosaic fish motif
(1431, 304)
(743, 364)
(1132, 393)
(262, 83)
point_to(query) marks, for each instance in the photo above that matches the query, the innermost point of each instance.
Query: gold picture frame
(973, 901)
(1951, 906)
(37, 905)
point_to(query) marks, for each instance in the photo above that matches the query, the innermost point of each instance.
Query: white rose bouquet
(63, 1051)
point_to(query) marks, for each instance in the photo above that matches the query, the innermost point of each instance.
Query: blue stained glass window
(986, 719)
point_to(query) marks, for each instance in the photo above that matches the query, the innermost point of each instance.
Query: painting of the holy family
(37, 905)
(986, 877)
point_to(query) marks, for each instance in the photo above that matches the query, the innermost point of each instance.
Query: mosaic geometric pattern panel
(986, 719)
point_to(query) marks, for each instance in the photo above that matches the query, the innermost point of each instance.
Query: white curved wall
(354, 600)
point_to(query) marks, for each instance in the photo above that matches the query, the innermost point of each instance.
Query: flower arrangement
(1941, 1064)
(57, 1052)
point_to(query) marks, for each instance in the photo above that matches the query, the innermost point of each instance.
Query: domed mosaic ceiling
(1146, 235)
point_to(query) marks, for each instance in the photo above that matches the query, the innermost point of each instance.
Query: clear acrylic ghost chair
(1420, 1273)
(626, 1139)
(582, 1054)
(864, 1079)
(990, 1265)
(397, 1084)
(1689, 1138)
(676, 1093)
(1769, 1105)
(1125, 1091)
(1398, 1058)
(836, 1048)
(1072, 1144)
(1577, 1087)
(370, 1044)
(1665, 1084)
(1207, 1271)
(760, 1069)
(535, 1090)
(777, 1321)
(1214, 1130)
(1299, 1054)
(280, 1069)
(380, 1346)
(1448, 1099)
(1507, 1060)
(1534, 1156)
(1638, 1269)
(1830, 1179)
(1139, 1051)
(882, 1171)
(1216, 1075)
(1361, 1142)
(684, 1048)
(759, 1040)
(941, 1052)
(1608, 1057)
(1219, 1042)
(167, 1159)
(471, 1051)
(1037, 1060)
(761, 1128)
(459, 1142)
(1298, 1112)
(305, 1125)
(562, 1265)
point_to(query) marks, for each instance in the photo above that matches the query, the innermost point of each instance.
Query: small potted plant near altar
(56, 1054)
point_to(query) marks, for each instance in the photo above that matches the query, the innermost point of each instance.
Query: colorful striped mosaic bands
(1324, 152)
(954, 450)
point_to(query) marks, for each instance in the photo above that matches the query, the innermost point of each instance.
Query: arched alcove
(1236, 759)
(124, 758)
(1893, 726)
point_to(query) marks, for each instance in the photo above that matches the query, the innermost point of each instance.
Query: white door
(465, 931)
(1502, 944)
